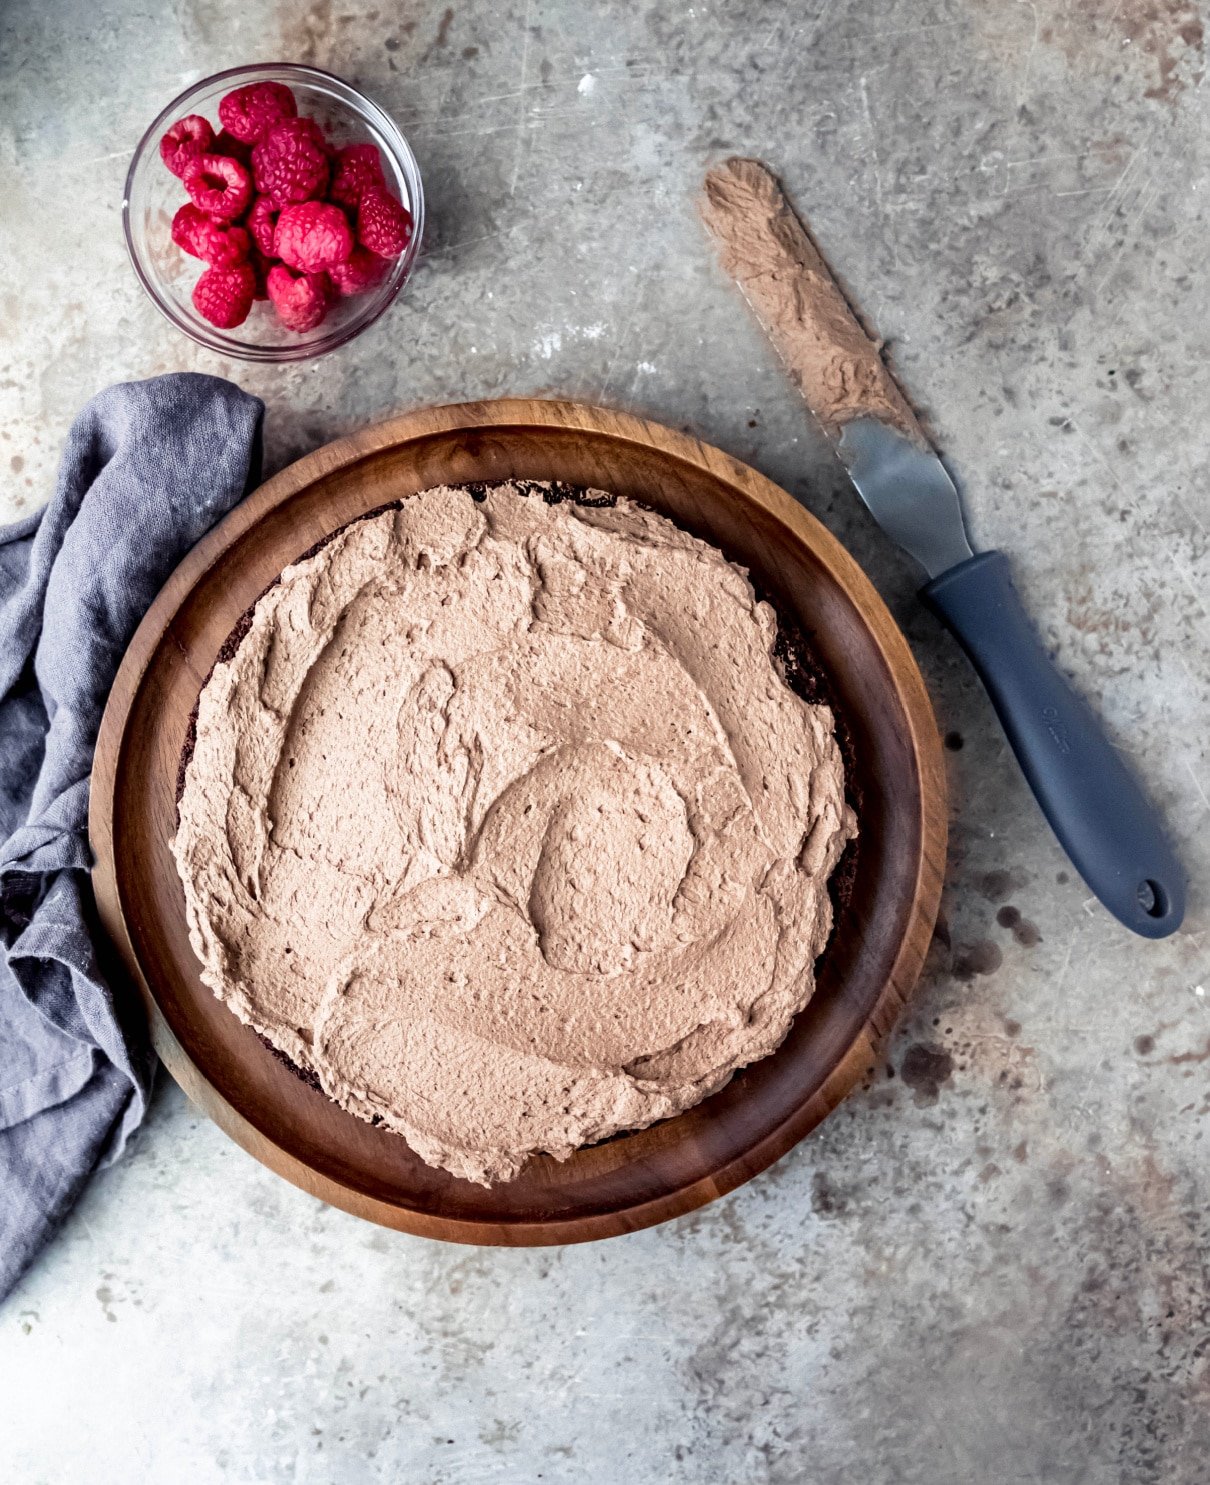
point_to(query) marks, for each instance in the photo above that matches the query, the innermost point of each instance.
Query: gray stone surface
(991, 1265)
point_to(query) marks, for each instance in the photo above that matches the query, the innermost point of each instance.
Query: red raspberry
(250, 112)
(188, 138)
(227, 144)
(384, 225)
(262, 219)
(358, 169)
(301, 300)
(222, 247)
(260, 266)
(184, 227)
(312, 236)
(363, 270)
(291, 163)
(224, 295)
(197, 234)
(219, 186)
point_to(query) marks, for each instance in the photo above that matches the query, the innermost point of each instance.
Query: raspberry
(363, 270)
(301, 300)
(250, 112)
(222, 247)
(312, 236)
(227, 144)
(188, 138)
(358, 169)
(218, 185)
(290, 163)
(260, 266)
(224, 295)
(262, 219)
(197, 234)
(184, 227)
(384, 225)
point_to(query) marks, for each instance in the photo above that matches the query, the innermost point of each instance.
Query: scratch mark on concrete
(448, 248)
(780, 77)
(1197, 784)
(96, 159)
(1099, 226)
(1146, 195)
(1128, 495)
(623, 334)
(1027, 63)
(520, 125)
(906, 31)
(869, 123)
(795, 31)
(1063, 968)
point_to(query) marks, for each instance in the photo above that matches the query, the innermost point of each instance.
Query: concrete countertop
(990, 1265)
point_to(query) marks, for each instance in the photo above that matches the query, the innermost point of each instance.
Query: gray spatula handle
(1094, 804)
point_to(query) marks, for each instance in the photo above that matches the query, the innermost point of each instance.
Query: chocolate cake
(795, 664)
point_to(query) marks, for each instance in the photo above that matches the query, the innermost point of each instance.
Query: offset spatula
(1093, 802)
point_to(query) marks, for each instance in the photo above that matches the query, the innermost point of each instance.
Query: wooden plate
(633, 1180)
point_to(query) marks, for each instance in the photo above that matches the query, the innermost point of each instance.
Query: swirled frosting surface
(502, 820)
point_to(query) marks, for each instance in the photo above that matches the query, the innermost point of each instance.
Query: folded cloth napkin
(148, 468)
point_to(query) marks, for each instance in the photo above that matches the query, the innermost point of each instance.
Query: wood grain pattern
(633, 1180)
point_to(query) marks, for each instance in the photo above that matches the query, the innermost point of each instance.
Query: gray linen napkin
(147, 469)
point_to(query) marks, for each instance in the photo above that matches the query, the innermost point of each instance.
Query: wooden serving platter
(633, 1180)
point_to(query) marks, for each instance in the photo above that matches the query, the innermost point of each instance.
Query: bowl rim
(221, 341)
(468, 426)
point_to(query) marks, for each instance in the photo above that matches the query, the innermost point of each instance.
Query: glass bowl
(153, 195)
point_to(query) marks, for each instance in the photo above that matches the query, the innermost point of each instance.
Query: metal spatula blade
(908, 492)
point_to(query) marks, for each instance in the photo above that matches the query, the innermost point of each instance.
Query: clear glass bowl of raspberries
(273, 212)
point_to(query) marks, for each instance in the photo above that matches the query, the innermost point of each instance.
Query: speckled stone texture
(989, 1266)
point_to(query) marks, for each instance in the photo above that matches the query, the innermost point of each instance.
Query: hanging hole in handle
(1152, 898)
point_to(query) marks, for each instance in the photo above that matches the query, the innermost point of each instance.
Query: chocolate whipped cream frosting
(769, 252)
(503, 822)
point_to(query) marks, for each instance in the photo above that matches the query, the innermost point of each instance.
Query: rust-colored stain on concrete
(1179, 1059)
(1168, 35)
